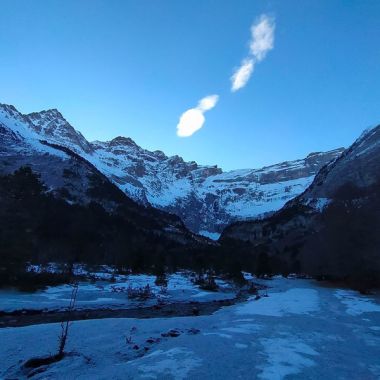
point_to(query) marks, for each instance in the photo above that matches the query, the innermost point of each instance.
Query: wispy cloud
(262, 37)
(262, 41)
(193, 119)
(242, 74)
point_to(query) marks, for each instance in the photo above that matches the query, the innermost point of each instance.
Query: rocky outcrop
(52, 126)
(358, 165)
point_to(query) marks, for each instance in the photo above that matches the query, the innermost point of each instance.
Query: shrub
(141, 293)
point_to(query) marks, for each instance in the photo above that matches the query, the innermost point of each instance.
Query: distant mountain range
(204, 197)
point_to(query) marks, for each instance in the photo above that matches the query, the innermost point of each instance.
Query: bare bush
(141, 293)
(66, 324)
(35, 365)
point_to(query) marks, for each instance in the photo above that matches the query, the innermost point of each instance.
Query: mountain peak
(46, 115)
(52, 112)
(8, 107)
(121, 140)
(51, 125)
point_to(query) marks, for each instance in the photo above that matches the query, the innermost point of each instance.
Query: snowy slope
(17, 135)
(21, 145)
(301, 331)
(205, 197)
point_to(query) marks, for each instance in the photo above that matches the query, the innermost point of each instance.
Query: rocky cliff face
(331, 229)
(55, 128)
(359, 165)
(204, 197)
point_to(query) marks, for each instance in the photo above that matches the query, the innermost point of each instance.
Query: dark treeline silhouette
(37, 227)
(341, 243)
(346, 246)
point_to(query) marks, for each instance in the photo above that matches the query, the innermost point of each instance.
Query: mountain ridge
(332, 229)
(68, 176)
(204, 196)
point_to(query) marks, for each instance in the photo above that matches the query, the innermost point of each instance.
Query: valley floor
(301, 331)
(103, 293)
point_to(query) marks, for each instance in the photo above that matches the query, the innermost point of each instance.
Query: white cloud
(262, 40)
(208, 102)
(262, 37)
(190, 121)
(193, 119)
(241, 76)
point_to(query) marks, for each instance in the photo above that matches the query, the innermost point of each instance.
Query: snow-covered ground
(301, 331)
(103, 293)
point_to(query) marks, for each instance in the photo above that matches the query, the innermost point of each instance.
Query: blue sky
(131, 68)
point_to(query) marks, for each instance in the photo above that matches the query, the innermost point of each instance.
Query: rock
(171, 334)
(193, 331)
(153, 340)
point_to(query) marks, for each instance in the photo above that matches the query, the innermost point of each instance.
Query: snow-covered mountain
(358, 166)
(205, 197)
(330, 230)
(69, 176)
